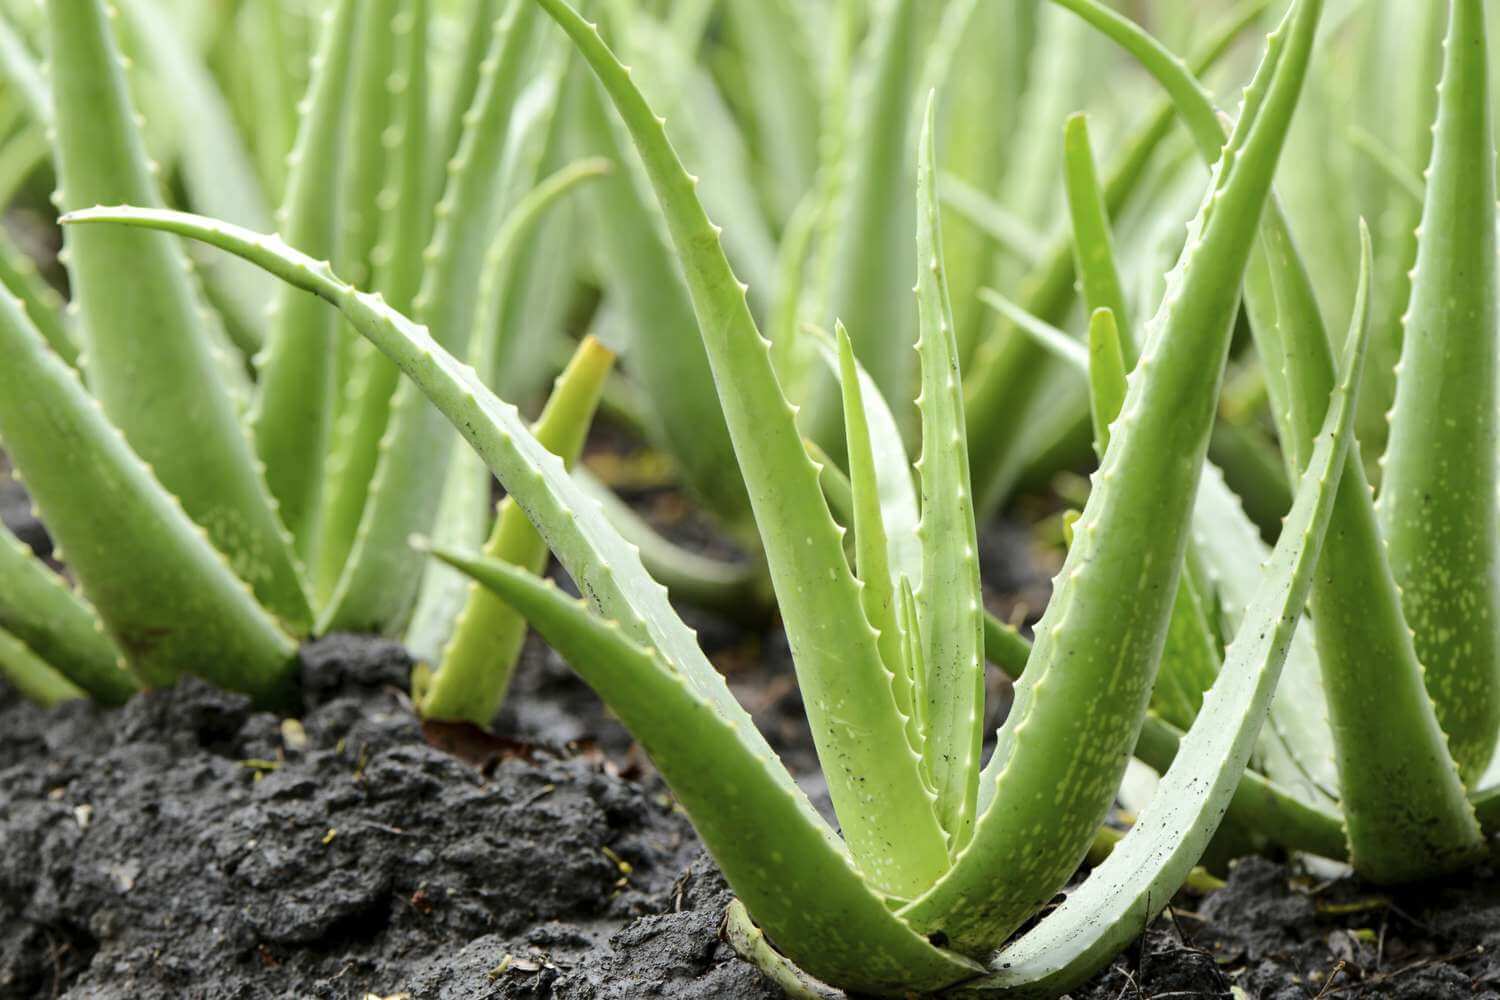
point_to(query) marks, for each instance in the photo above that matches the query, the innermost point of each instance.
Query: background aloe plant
(208, 519)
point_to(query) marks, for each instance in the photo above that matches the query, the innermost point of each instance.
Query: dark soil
(187, 846)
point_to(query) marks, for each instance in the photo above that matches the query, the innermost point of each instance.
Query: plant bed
(188, 846)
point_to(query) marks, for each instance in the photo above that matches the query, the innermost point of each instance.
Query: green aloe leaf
(1125, 893)
(382, 575)
(1057, 763)
(355, 449)
(1093, 241)
(148, 358)
(872, 560)
(216, 166)
(294, 407)
(879, 794)
(44, 307)
(1005, 396)
(477, 662)
(948, 598)
(39, 609)
(32, 676)
(1439, 502)
(162, 590)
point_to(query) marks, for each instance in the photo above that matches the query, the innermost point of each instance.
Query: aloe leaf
(783, 863)
(1125, 893)
(477, 663)
(1004, 390)
(217, 169)
(736, 590)
(594, 554)
(23, 74)
(1407, 813)
(784, 101)
(1106, 368)
(382, 574)
(900, 509)
(293, 414)
(1093, 242)
(465, 513)
(667, 356)
(879, 795)
(1439, 507)
(749, 942)
(44, 307)
(39, 609)
(32, 676)
(1056, 763)
(162, 590)
(355, 449)
(948, 598)
(147, 358)
(478, 30)
(871, 544)
(873, 255)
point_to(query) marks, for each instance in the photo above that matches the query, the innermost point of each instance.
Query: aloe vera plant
(1401, 602)
(940, 859)
(210, 520)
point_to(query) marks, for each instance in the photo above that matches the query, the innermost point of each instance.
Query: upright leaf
(147, 357)
(948, 599)
(1440, 499)
(293, 415)
(161, 589)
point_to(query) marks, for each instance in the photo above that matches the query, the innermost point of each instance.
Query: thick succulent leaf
(217, 169)
(871, 546)
(294, 407)
(405, 228)
(1004, 393)
(666, 355)
(900, 509)
(32, 676)
(465, 516)
(790, 871)
(948, 598)
(1439, 498)
(39, 609)
(164, 593)
(1125, 893)
(22, 74)
(737, 590)
(882, 802)
(1093, 241)
(873, 258)
(1407, 813)
(44, 307)
(381, 576)
(604, 565)
(785, 99)
(477, 663)
(148, 358)
(1106, 368)
(1081, 702)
